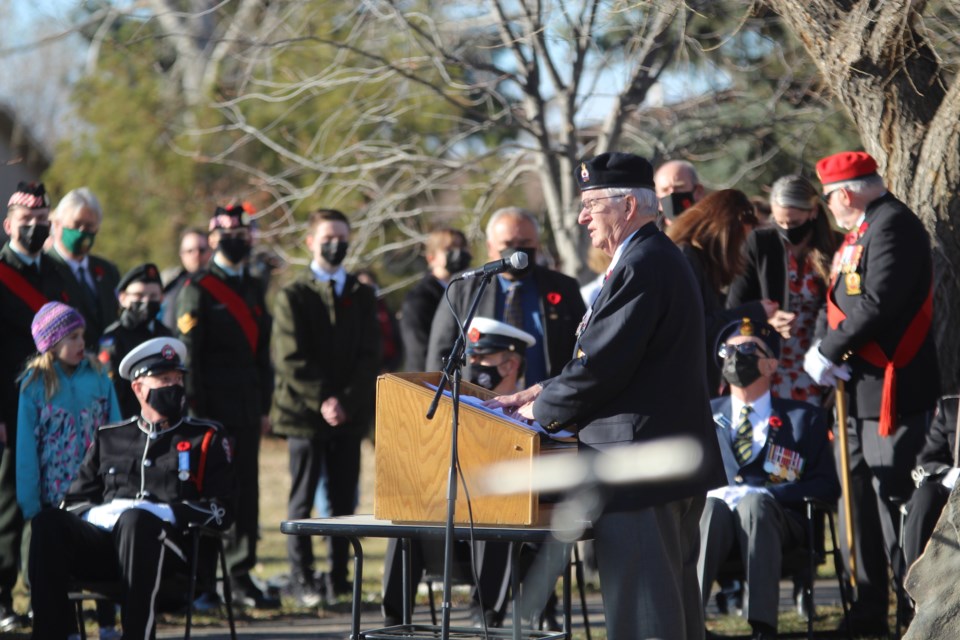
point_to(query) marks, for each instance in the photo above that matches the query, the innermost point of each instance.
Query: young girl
(64, 398)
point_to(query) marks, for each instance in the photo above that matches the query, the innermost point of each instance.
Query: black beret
(751, 328)
(146, 273)
(613, 170)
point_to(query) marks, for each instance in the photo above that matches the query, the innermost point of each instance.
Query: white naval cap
(153, 356)
(487, 335)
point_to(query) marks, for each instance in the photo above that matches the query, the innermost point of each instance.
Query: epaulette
(122, 423)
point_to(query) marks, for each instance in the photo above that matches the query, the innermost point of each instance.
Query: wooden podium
(413, 455)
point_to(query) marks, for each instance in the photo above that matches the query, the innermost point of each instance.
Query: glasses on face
(593, 205)
(746, 348)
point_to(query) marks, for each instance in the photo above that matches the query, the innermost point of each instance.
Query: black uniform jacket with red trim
(126, 461)
(892, 261)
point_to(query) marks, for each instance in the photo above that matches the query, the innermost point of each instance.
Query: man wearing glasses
(775, 453)
(878, 338)
(638, 374)
(194, 256)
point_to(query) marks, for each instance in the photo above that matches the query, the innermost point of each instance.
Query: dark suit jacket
(99, 313)
(716, 315)
(560, 317)
(639, 375)
(16, 341)
(419, 306)
(937, 452)
(324, 347)
(803, 431)
(228, 381)
(895, 271)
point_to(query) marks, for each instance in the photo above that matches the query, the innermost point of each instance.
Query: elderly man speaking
(638, 374)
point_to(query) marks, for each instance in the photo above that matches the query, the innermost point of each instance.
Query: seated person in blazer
(775, 453)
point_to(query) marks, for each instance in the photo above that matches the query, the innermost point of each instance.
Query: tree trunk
(906, 106)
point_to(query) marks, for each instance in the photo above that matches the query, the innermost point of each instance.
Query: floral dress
(805, 297)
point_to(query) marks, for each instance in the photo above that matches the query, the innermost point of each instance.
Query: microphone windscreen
(519, 260)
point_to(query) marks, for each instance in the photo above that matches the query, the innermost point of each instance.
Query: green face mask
(78, 242)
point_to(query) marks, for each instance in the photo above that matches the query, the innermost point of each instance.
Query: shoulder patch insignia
(186, 323)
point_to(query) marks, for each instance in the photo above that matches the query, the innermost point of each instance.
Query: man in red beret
(879, 310)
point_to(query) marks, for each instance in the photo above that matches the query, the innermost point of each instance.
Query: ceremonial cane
(845, 486)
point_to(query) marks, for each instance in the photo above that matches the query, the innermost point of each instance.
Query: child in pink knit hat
(65, 396)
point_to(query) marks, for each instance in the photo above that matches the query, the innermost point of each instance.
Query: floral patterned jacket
(53, 435)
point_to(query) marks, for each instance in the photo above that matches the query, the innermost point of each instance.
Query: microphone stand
(451, 371)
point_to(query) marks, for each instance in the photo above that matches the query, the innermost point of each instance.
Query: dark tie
(513, 306)
(743, 443)
(82, 275)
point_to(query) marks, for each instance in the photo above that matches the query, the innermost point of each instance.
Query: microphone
(518, 261)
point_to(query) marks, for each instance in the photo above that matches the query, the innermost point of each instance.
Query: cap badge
(746, 327)
(584, 173)
(474, 335)
(168, 352)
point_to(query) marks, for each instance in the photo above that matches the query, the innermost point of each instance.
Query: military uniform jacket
(416, 317)
(638, 374)
(324, 346)
(115, 343)
(230, 378)
(125, 462)
(893, 268)
(16, 341)
(561, 307)
(796, 461)
(99, 312)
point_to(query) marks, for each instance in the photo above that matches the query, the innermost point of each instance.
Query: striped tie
(513, 306)
(743, 443)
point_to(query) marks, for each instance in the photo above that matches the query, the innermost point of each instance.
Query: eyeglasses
(746, 348)
(826, 197)
(593, 205)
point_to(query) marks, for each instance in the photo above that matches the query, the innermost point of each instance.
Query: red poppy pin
(474, 335)
(97, 272)
(183, 445)
(554, 298)
(345, 303)
(775, 422)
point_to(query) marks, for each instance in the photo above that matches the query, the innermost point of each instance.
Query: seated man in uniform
(495, 356)
(775, 453)
(142, 483)
(935, 476)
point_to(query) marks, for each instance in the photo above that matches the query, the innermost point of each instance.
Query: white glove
(823, 372)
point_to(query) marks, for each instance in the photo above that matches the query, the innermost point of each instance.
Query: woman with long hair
(711, 235)
(789, 263)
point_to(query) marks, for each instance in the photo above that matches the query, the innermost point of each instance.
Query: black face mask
(33, 236)
(486, 376)
(741, 369)
(676, 203)
(334, 252)
(234, 249)
(531, 259)
(168, 402)
(796, 235)
(139, 313)
(458, 260)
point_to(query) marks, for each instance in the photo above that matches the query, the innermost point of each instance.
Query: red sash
(235, 305)
(19, 286)
(906, 350)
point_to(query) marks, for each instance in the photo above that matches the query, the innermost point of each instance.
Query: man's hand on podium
(517, 405)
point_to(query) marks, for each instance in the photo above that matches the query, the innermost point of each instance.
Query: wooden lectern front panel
(413, 455)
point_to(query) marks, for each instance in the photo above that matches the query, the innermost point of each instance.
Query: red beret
(846, 165)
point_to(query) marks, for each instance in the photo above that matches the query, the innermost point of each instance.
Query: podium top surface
(365, 525)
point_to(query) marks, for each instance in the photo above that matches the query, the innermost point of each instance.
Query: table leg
(567, 603)
(357, 586)
(515, 585)
(405, 559)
